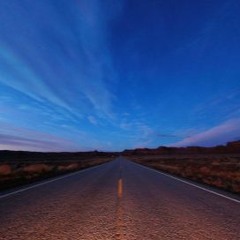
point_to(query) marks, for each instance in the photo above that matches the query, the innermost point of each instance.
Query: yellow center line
(119, 235)
(120, 188)
(119, 223)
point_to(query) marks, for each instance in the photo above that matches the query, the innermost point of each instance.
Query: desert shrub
(222, 172)
(68, 167)
(37, 168)
(5, 169)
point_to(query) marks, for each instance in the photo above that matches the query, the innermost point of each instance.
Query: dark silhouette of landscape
(216, 166)
(21, 167)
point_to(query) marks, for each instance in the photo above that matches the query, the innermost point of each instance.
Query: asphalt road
(118, 200)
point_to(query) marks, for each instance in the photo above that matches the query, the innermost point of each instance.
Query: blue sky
(109, 75)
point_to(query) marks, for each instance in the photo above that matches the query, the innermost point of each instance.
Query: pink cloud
(15, 138)
(227, 131)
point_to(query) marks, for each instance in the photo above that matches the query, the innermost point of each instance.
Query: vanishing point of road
(117, 200)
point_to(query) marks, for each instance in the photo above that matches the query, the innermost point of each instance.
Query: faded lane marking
(120, 223)
(120, 188)
(119, 213)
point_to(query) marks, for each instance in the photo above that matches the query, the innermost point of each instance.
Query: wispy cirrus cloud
(71, 69)
(138, 132)
(63, 138)
(220, 134)
(24, 139)
(224, 105)
(12, 142)
(100, 74)
(56, 71)
(92, 120)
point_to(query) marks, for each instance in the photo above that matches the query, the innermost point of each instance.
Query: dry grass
(219, 171)
(37, 168)
(12, 175)
(5, 169)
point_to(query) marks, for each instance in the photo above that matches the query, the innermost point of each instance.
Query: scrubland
(25, 167)
(221, 171)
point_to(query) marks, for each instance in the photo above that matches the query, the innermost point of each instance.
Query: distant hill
(18, 156)
(230, 147)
